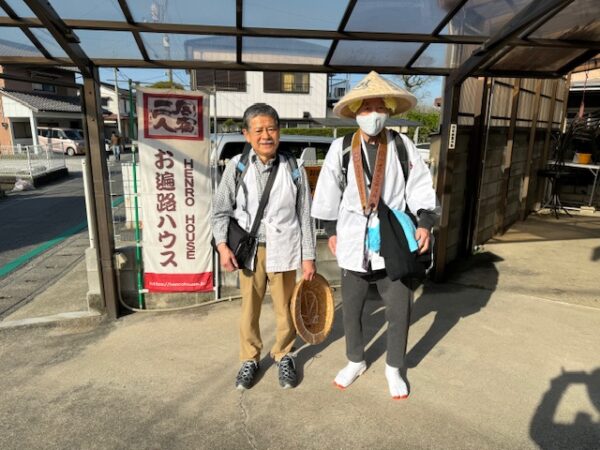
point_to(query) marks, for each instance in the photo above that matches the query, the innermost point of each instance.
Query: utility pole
(118, 104)
(131, 113)
(158, 11)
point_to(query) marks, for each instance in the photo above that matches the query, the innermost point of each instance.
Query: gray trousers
(396, 298)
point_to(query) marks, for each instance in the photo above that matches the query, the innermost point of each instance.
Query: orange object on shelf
(582, 158)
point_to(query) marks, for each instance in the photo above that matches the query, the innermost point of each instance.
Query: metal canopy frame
(481, 63)
(515, 34)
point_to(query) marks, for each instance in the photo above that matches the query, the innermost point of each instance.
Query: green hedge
(430, 124)
(328, 132)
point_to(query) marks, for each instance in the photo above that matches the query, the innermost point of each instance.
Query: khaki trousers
(253, 286)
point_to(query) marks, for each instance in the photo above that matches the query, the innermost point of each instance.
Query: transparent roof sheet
(284, 50)
(49, 42)
(532, 58)
(13, 42)
(98, 10)
(20, 8)
(579, 20)
(182, 47)
(294, 14)
(403, 16)
(367, 53)
(439, 55)
(109, 44)
(187, 12)
(484, 17)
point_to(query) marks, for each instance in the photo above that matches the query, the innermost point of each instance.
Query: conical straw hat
(312, 309)
(375, 86)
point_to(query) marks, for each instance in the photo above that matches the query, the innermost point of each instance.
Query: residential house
(26, 105)
(110, 105)
(297, 96)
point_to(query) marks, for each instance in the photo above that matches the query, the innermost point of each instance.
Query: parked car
(62, 140)
(230, 144)
(423, 149)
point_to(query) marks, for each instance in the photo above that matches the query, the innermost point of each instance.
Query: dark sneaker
(245, 377)
(287, 372)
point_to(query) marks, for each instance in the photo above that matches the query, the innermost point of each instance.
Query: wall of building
(513, 141)
(5, 132)
(289, 106)
(50, 75)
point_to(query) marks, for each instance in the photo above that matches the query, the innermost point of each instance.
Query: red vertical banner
(175, 190)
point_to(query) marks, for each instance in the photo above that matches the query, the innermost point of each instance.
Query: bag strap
(265, 197)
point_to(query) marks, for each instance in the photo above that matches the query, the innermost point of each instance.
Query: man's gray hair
(259, 109)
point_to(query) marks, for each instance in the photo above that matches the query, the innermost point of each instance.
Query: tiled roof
(10, 48)
(46, 102)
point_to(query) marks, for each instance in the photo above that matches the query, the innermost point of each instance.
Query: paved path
(491, 370)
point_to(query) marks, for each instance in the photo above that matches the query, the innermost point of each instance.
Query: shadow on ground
(448, 314)
(431, 301)
(583, 433)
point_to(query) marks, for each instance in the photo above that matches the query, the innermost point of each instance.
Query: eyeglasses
(269, 130)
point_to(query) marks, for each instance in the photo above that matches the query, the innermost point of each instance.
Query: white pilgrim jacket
(330, 203)
(282, 227)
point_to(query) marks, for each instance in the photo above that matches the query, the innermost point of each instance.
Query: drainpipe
(118, 104)
(34, 131)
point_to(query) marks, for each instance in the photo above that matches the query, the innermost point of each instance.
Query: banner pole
(138, 248)
(217, 264)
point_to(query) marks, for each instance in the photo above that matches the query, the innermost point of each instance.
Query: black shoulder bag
(242, 242)
(400, 262)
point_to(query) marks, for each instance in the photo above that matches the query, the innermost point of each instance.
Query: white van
(62, 140)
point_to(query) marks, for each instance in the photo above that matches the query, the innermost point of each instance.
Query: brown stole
(378, 173)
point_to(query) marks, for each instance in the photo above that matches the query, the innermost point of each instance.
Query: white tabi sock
(398, 388)
(348, 374)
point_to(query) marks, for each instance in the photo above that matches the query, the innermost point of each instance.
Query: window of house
(21, 130)
(224, 80)
(339, 92)
(105, 101)
(44, 87)
(286, 82)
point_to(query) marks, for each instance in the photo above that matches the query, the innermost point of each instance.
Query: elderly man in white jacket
(351, 219)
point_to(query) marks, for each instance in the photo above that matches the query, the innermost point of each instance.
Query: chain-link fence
(30, 161)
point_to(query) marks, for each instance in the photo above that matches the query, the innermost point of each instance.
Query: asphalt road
(43, 233)
(31, 218)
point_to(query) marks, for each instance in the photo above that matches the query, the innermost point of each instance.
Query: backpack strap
(346, 152)
(293, 163)
(400, 149)
(242, 167)
(402, 153)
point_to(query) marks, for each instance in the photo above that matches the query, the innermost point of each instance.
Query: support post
(101, 208)
(445, 173)
(508, 157)
(527, 175)
(475, 166)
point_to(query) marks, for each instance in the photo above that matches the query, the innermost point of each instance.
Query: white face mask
(372, 123)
